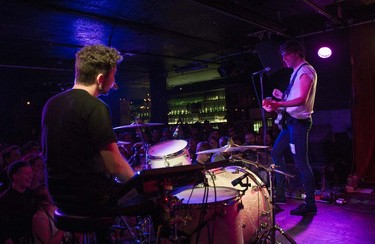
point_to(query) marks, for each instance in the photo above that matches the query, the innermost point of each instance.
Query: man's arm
(116, 163)
(306, 83)
(305, 87)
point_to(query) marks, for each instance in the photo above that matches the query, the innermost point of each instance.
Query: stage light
(324, 52)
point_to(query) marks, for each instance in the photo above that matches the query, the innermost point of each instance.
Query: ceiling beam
(321, 11)
(239, 12)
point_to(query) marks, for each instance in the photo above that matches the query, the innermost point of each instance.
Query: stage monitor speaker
(269, 55)
(321, 145)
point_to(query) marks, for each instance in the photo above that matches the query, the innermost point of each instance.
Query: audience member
(204, 157)
(10, 155)
(192, 148)
(221, 156)
(36, 162)
(31, 147)
(231, 132)
(43, 226)
(155, 136)
(166, 134)
(250, 138)
(16, 207)
(215, 133)
(214, 143)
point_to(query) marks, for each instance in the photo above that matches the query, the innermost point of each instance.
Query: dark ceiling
(168, 35)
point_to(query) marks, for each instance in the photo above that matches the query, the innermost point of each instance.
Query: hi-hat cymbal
(137, 125)
(231, 148)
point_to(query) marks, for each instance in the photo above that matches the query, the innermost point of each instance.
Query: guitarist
(298, 102)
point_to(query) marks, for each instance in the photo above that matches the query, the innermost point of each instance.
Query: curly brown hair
(293, 47)
(93, 60)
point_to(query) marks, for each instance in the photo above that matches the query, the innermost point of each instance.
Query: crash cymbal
(121, 143)
(232, 148)
(137, 125)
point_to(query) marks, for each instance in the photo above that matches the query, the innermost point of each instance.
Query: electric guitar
(280, 120)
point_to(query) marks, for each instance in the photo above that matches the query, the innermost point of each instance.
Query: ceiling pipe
(323, 12)
(33, 67)
(329, 30)
(229, 8)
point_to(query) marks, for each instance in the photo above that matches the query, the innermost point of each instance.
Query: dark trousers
(295, 137)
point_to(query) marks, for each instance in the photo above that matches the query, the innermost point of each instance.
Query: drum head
(204, 195)
(165, 148)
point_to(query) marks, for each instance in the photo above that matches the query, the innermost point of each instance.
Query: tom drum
(168, 154)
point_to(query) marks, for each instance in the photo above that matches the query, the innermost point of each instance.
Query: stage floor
(353, 222)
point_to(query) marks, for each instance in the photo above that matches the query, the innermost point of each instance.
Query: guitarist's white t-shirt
(303, 112)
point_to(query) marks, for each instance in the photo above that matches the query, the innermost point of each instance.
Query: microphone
(266, 69)
(239, 179)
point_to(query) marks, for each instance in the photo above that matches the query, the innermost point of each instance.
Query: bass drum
(208, 215)
(256, 206)
(168, 154)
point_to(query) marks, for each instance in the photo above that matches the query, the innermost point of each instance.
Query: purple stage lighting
(324, 52)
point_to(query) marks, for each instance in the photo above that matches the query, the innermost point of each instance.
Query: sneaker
(304, 209)
(280, 200)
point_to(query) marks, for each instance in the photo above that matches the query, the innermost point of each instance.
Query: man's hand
(270, 105)
(277, 93)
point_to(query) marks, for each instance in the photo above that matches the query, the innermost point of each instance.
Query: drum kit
(220, 202)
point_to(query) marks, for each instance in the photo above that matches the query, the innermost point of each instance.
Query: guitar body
(280, 120)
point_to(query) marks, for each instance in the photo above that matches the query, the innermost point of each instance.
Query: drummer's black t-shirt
(75, 125)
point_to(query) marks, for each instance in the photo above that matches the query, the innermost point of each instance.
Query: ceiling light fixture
(324, 52)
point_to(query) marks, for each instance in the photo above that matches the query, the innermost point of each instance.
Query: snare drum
(209, 215)
(256, 211)
(168, 154)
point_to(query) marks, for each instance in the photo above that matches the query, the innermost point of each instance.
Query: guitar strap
(287, 91)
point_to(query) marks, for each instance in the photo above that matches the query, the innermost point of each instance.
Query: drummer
(204, 157)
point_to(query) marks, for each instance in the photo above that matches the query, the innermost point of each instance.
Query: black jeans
(295, 136)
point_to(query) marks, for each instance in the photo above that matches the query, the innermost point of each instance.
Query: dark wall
(19, 121)
(334, 89)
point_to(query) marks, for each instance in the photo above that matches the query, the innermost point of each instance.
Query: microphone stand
(264, 122)
(262, 110)
(269, 235)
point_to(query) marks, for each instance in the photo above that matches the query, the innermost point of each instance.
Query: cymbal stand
(268, 235)
(139, 134)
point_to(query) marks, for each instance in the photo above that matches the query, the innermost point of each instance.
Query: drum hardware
(268, 235)
(135, 159)
(232, 147)
(140, 231)
(137, 125)
(239, 181)
(122, 143)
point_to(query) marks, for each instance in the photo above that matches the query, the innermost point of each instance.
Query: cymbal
(121, 143)
(232, 148)
(137, 125)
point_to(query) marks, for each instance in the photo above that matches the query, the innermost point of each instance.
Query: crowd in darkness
(26, 209)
